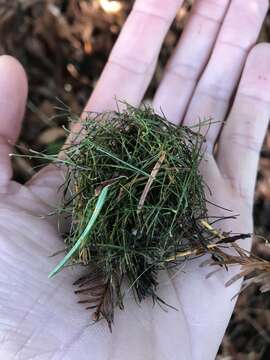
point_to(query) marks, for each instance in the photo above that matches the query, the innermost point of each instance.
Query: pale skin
(215, 59)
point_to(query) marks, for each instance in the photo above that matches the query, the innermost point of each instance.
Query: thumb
(13, 96)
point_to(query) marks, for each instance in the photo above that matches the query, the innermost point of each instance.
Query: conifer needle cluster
(136, 203)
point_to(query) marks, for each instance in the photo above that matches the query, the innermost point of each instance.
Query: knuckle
(215, 90)
(245, 193)
(262, 49)
(130, 63)
(248, 142)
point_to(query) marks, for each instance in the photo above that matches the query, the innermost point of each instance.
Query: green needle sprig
(80, 242)
(136, 202)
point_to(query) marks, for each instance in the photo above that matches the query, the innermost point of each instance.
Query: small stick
(197, 251)
(150, 181)
(211, 229)
(201, 250)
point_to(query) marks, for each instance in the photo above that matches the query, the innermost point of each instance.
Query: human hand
(39, 317)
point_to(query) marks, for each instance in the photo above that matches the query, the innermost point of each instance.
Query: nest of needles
(137, 205)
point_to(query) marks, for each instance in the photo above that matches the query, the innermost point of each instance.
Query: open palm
(39, 317)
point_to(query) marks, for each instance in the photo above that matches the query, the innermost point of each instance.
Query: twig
(150, 181)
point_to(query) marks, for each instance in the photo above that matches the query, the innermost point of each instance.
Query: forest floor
(63, 45)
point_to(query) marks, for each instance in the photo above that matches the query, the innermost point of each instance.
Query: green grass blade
(98, 207)
(104, 151)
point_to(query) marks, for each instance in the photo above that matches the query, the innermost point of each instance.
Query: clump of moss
(137, 205)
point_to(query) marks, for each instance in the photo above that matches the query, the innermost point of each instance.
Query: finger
(189, 59)
(243, 134)
(132, 62)
(217, 84)
(13, 95)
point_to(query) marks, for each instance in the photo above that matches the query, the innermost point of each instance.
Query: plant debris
(136, 202)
